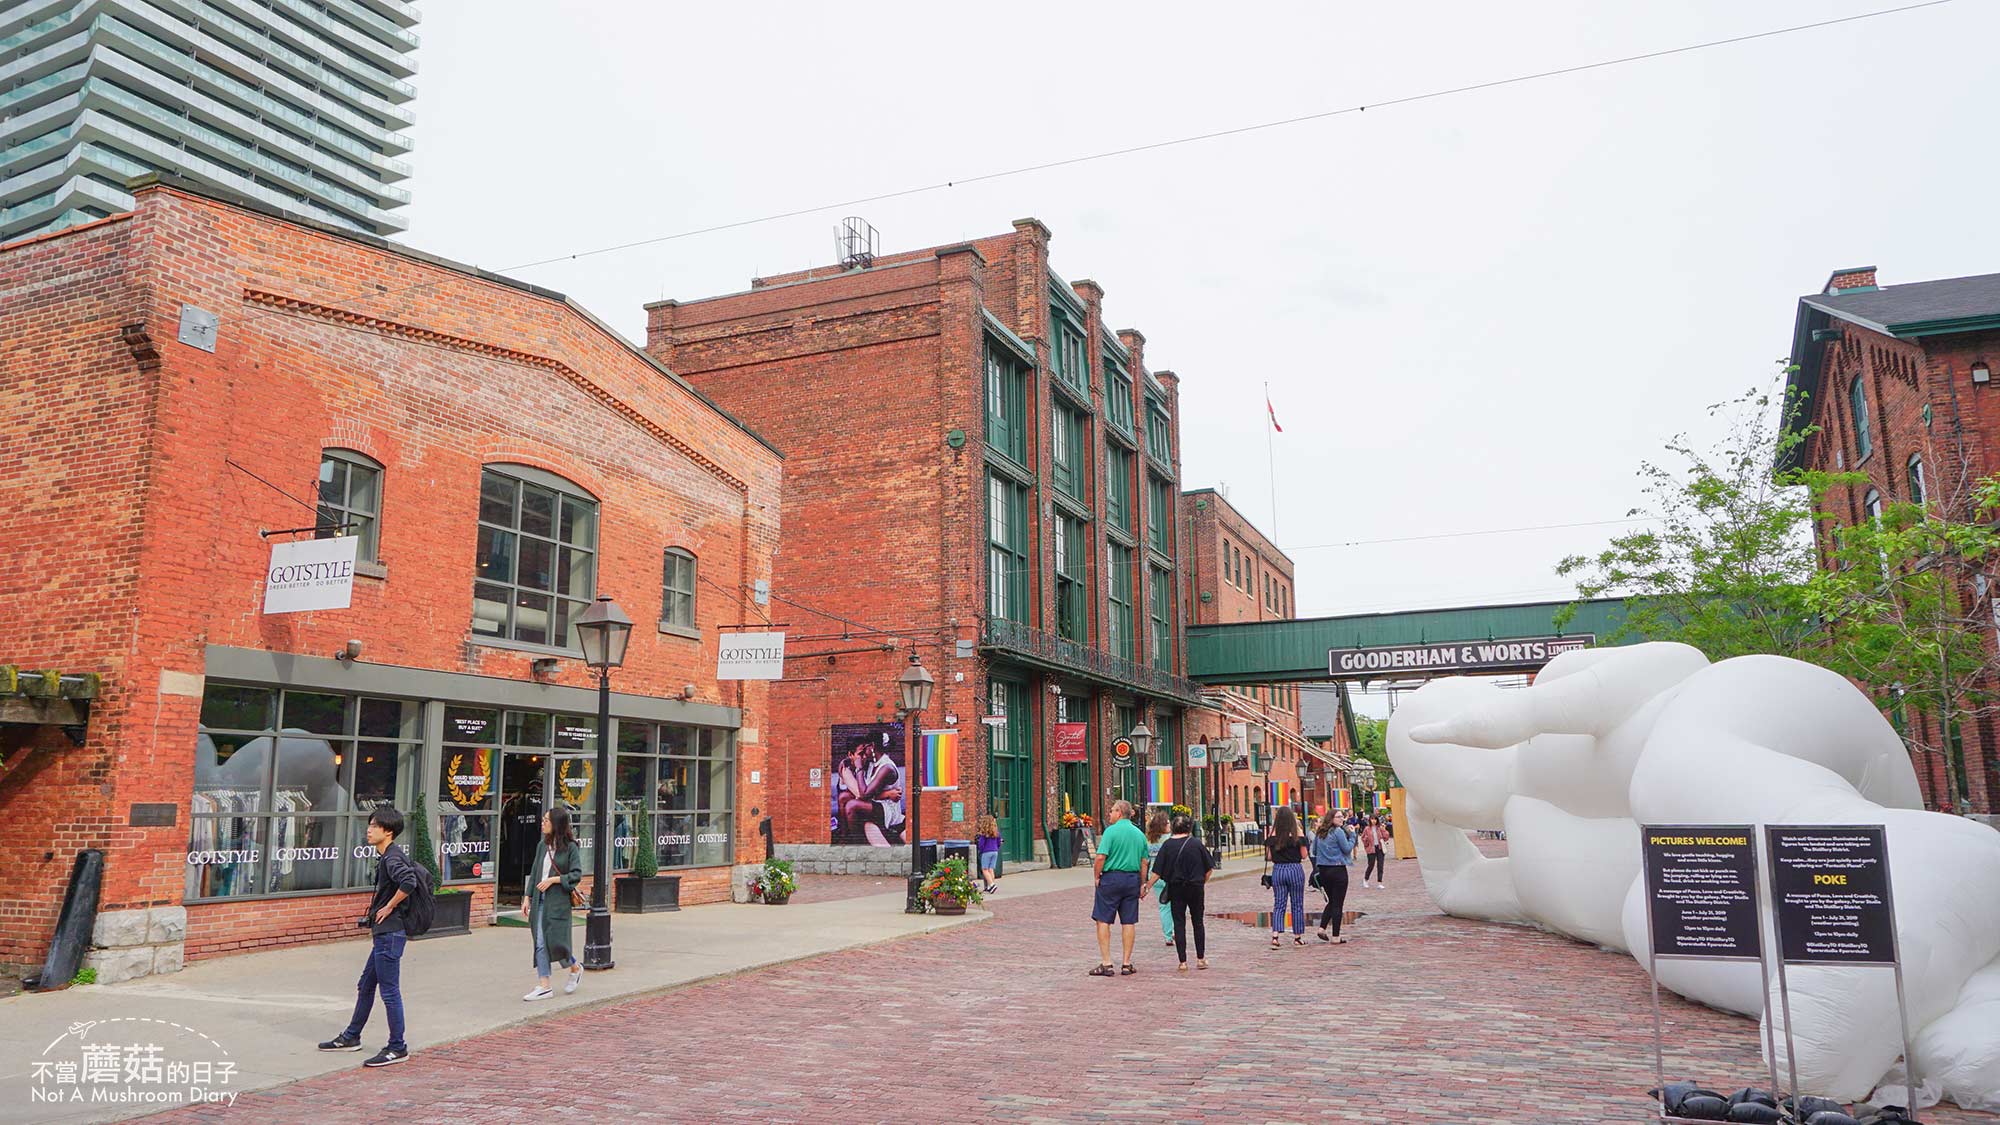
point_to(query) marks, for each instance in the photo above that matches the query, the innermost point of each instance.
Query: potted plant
(1080, 839)
(645, 889)
(1060, 854)
(453, 911)
(949, 887)
(774, 886)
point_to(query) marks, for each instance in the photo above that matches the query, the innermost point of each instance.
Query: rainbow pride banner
(1343, 799)
(939, 750)
(1381, 801)
(1281, 793)
(1159, 785)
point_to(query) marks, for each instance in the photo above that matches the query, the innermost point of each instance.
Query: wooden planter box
(945, 904)
(634, 895)
(452, 914)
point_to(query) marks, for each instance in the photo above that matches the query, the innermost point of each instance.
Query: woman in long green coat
(557, 869)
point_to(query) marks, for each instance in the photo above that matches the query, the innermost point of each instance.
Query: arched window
(1916, 468)
(1857, 396)
(1872, 504)
(537, 563)
(350, 499)
(677, 590)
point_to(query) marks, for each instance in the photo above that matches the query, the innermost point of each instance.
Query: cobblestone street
(1418, 1018)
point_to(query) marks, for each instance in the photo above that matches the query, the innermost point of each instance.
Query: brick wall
(151, 468)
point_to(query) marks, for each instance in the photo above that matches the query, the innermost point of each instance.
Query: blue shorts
(989, 860)
(1117, 898)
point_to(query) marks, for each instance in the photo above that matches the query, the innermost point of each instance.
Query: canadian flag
(1273, 412)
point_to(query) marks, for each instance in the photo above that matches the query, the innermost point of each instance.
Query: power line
(1469, 534)
(1239, 130)
(1195, 138)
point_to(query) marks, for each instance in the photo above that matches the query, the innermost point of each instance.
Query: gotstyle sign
(750, 656)
(310, 574)
(1457, 656)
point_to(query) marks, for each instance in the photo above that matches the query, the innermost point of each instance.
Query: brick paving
(1419, 1018)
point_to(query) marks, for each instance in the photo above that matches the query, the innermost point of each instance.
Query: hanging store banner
(1197, 754)
(938, 750)
(310, 574)
(1070, 742)
(1701, 891)
(1830, 891)
(750, 656)
(1225, 752)
(1514, 654)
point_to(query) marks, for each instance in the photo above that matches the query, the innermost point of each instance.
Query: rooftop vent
(856, 244)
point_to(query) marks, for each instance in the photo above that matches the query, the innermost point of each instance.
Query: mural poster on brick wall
(867, 790)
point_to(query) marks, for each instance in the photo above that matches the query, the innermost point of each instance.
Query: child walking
(989, 853)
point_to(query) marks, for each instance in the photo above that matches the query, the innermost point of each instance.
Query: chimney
(1860, 279)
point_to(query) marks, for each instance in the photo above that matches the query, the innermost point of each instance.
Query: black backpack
(421, 907)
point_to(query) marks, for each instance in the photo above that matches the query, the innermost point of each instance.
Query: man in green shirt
(1121, 883)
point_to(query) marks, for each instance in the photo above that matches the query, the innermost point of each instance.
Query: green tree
(1725, 563)
(1909, 610)
(1373, 747)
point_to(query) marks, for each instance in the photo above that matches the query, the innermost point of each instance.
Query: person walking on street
(557, 869)
(396, 881)
(1286, 849)
(1332, 851)
(1120, 870)
(1375, 842)
(1157, 826)
(989, 852)
(1183, 869)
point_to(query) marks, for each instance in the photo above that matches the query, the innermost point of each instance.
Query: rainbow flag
(1159, 785)
(939, 750)
(1343, 799)
(1281, 793)
(1381, 801)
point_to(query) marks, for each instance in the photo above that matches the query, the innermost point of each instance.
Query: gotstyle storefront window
(283, 785)
(684, 776)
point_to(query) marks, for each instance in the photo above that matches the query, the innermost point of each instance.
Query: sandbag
(1756, 1112)
(1832, 1117)
(1704, 1107)
(1753, 1094)
(1806, 1105)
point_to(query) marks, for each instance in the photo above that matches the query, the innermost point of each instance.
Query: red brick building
(979, 471)
(182, 377)
(1236, 574)
(1899, 383)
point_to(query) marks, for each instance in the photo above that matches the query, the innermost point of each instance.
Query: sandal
(1340, 941)
(1274, 941)
(1126, 970)
(1101, 971)
(1298, 939)
(1182, 967)
(1202, 963)
(1323, 937)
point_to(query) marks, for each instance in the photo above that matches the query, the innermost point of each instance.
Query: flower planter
(452, 915)
(945, 904)
(776, 900)
(634, 894)
(1060, 848)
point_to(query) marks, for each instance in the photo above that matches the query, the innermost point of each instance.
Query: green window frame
(1118, 488)
(1118, 587)
(1006, 403)
(1857, 396)
(1162, 606)
(1160, 514)
(1066, 348)
(1072, 608)
(1159, 431)
(1117, 395)
(1067, 460)
(677, 589)
(1007, 549)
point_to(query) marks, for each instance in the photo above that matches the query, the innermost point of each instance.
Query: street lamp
(603, 631)
(915, 686)
(1141, 739)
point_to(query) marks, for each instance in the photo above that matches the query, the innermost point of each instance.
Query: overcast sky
(1474, 312)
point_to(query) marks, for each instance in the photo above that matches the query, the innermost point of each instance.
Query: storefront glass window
(468, 795)
(284, 784)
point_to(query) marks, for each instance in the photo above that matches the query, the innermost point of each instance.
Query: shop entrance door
(523, 796)
(1010, 787)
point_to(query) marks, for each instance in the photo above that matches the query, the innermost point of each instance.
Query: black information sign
(1830, 885)
(151, 815)
(1701, 890)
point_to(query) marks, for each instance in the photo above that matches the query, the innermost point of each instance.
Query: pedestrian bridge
(1397, 646)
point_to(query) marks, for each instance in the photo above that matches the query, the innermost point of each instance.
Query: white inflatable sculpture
(1608, 739)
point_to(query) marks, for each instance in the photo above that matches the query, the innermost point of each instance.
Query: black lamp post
(915, 686)
(603, 631)
(1141, 738)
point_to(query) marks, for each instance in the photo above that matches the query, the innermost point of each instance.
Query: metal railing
(1040, 646)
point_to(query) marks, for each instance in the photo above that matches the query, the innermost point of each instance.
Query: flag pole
(1271, 457)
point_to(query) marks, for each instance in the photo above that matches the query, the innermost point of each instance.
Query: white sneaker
(575, 979)
(539, 993)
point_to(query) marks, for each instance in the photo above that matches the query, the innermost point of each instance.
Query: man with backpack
(400, 910)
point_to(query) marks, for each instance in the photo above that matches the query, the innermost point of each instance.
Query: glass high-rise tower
(297, 104)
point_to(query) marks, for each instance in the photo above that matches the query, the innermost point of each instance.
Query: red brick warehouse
(979, 469)
(500, 457)
(1898, 385)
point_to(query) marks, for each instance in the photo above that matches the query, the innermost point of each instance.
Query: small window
(677, 589)
(1857, 396)
(1872, 504)
(350, 494)
(1916, 479)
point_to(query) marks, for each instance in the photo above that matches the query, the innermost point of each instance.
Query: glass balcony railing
(342, 33)
(34, 31)
(262, 41)
(47, 82)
